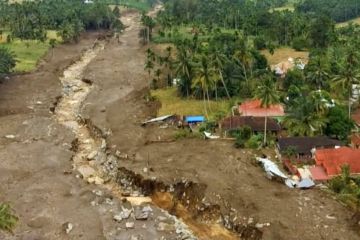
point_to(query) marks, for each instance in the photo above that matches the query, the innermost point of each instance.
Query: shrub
(259, 42)
(7, 60)
(254, 142)
(7, 219)
(299, 43)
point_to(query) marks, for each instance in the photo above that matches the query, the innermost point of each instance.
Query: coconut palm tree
(204, 78)
(349, 75)
(303, 119)
(318, 71)
(268, 96)
(218, 60)
(184, 69)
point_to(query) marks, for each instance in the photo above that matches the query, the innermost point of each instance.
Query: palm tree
(318, 71)
(268, 96)
(204, 79)
(217, 61)
(349, 75)
(303, 120)
(184, 68)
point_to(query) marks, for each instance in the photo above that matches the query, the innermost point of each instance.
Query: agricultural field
(283, 54)
(171, 103)
(28, 52)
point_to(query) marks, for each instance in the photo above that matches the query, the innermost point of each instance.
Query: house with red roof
(333, 159)
(253, 108)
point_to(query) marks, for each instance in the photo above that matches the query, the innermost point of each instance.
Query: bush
(7, 61)
(299, 43)
(254, 142)
(7, 219)
(260, 43)
(208, 126)
(239, 142)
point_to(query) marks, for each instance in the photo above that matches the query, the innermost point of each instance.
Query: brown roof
(304, 145)
(257, 124)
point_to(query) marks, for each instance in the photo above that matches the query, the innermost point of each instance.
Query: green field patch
(171, 103)
(28, 52)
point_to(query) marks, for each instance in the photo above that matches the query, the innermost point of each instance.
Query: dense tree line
(31, 19)
(339, 11)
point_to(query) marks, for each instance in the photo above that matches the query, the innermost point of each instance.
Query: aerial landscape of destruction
(179, 119)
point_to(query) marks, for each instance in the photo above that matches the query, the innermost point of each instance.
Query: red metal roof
(333, 159)
(253, 108)
(318, 173)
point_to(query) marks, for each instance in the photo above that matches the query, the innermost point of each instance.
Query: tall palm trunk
(223, 82)
(204, 98)
(349, 103)
(265, 129)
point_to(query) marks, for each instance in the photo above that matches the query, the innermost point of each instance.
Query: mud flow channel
(75, 91)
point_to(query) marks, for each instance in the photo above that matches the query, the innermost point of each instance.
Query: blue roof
(194, 119)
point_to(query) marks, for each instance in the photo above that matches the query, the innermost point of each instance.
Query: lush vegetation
(217, 52)
(25, 25)
(339, 11)
(347, 188)
(7, 219)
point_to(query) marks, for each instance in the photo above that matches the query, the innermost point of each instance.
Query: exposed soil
(244, 196)
(90, 98)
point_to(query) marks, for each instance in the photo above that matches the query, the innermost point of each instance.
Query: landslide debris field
(75, 162)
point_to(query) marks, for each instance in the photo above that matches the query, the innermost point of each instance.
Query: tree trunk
(265, 129)
(204, 98)
(208, 98)
(216, 92)
(350, 93)
(223, 82)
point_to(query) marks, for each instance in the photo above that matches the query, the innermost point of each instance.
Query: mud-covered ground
(118, 106)
(38, 179)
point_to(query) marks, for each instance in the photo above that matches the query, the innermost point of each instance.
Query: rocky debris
(261, 225)
(86, 171)
(136, 237)
(98, 193)
(142, 213)
(130, 225)
(165, 227)
(97, 180)
(10, 136)
(124, 214)
(92, 155)
(68, 227)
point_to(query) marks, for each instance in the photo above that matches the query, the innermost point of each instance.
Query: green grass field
(171, 103)
(28, 53)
